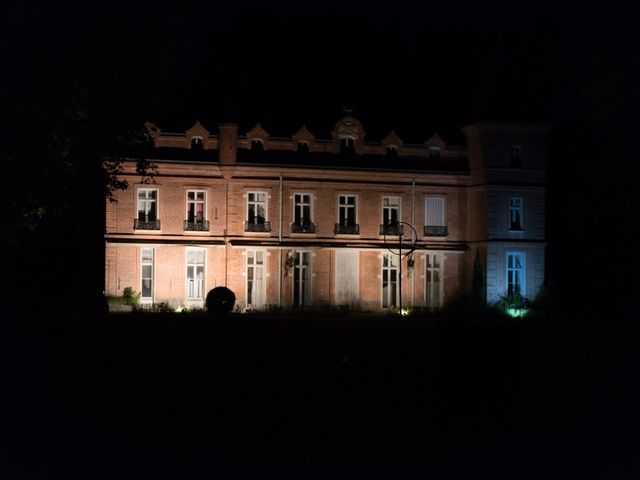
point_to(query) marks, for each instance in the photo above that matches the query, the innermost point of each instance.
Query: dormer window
(347, 145)
(516, 156)
(257, 145)
(434, 153)
(303, 147)
(392, 151)
(197, 143)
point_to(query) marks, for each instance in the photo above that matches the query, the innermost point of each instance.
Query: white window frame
(443, 214)
(299, 268)
(143, 263)
(256, 203)
(300, 206)
(513, 210)
(389, 268)
(440, 270)
(397, 207)
(195, 201)
(194, 265)
(346, 207)
(146, 201)
(255, 265)
(522, 270)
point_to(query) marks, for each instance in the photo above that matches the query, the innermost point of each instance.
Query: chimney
(227, 143)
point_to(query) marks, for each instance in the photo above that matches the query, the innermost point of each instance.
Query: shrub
(220, 302)
(514, 304)
(130, 296)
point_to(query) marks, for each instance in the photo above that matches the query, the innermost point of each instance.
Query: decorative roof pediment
(303, 135)
(435, 141)
(392, 139)
(197, 130)
(349, 127)
(257, 132)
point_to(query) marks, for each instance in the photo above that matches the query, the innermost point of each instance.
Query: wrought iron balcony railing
(257, 227)
(303, 228)
(391, 229)
(146, 224)
(435, 231)
(196, 226)
(347, 229)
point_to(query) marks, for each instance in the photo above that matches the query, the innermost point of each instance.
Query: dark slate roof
(287, 158)
(346, 161)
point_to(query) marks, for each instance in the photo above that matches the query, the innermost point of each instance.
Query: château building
(334, 221)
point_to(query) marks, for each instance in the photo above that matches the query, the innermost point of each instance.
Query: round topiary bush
(220, 302)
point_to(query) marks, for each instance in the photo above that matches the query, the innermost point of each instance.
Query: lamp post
(397, 229)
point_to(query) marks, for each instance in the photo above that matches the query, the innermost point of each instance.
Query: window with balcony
(389, 280)
(257, 213)
(146, 275)
(195, 273)
(434, 221)
(347, 222)
(390, 216)
(147, 210)
(302, 214)
(196, 211)
(515, 273)
(515, 213)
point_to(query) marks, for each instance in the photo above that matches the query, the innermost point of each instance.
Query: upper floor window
(434, 221)
(257, 213)
(392, 151)
(303, 147)
(302, 214)
(347, 222)
(197, 143)
(516, 156)
(196, 211)
(147, 218)
(515, 213)
(390, 216)
(434, 153)
(257, 145)
(515, 273)
(347, 144)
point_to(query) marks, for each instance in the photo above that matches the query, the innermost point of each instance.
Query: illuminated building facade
(302, 221)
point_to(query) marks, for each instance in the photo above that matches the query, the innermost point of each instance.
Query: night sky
(81, 77)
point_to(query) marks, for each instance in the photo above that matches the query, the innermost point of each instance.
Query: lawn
(141, 396)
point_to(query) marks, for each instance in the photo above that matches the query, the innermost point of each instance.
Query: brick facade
(268, 261)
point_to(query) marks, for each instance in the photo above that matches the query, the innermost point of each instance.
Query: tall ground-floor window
(433, 280)
(146, 276)
(346, 277)
(389, 280)
(515, 273)
(256, 288)
(195, 273)
(302, 278)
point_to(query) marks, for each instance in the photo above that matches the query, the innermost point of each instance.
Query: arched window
(434, 153)
(257, 145)
(197, 143)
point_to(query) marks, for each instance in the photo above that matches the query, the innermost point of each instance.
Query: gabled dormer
(197, 137)
(151, 133)
(435, 146)
(303, 137)
(258, 138)
(348, 136)
(392, 143)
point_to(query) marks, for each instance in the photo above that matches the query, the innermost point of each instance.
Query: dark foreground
(148, 397)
